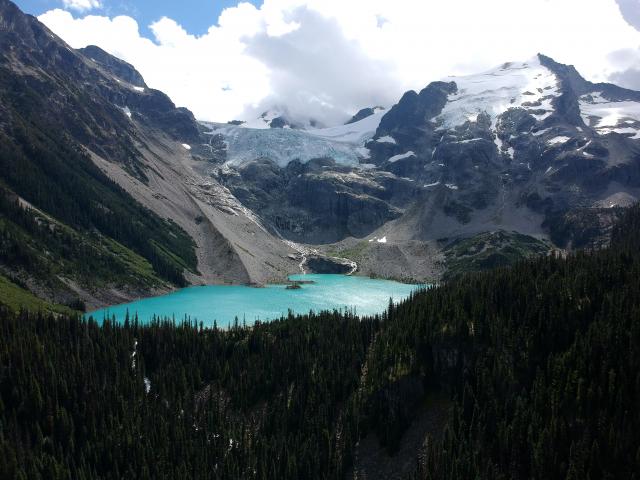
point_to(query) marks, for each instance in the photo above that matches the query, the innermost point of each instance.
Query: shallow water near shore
(223, 304)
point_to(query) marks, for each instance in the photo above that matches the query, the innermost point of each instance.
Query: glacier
(344, 143)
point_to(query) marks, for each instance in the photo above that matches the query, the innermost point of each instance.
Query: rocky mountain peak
(88, 92)
(364, 113)
(414, 109)
(118, 68)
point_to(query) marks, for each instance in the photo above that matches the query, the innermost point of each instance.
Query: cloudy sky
(326, 59)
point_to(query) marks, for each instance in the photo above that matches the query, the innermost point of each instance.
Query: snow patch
(386, 139)
(378, 240)
(635, 133)
(186, 147)
(540, 117)
(541, 132)
(138, 89)
(558, 140)
(607, 116)
(428, 185)
(401, 156)
(357, 133)
(451, 186)
(126, 111)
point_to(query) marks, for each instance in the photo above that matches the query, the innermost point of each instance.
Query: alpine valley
(110, 192)
(499, 207)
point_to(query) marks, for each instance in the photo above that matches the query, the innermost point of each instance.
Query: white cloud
(630, 10)
(82, 5)
(327, 58)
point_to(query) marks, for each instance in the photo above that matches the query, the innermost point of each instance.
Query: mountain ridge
(126, 135)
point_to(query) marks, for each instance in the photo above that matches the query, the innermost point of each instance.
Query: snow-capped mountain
(520, 147)
(531, 90)
(527, 146)
(537, 114)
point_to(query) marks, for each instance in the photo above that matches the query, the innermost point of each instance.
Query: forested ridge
(541, 363)
(42, 163)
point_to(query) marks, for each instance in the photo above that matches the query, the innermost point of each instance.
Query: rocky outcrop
(322, 264)
(362, 114)
(115, 66)
(414, 110)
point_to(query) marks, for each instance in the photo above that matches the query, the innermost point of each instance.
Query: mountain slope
(82, 134)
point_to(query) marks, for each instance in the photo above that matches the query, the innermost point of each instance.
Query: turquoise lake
(223, 304)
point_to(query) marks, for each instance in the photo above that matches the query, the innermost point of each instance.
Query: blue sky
(196, 16)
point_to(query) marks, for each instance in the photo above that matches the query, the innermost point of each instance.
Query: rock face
(318, 201)
(320, 264)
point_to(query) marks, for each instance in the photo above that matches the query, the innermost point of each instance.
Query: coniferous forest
(539, 363)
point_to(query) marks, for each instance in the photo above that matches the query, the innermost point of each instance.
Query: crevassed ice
(283, 146)
(344, 143)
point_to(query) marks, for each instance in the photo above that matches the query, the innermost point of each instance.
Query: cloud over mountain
(326, 59)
